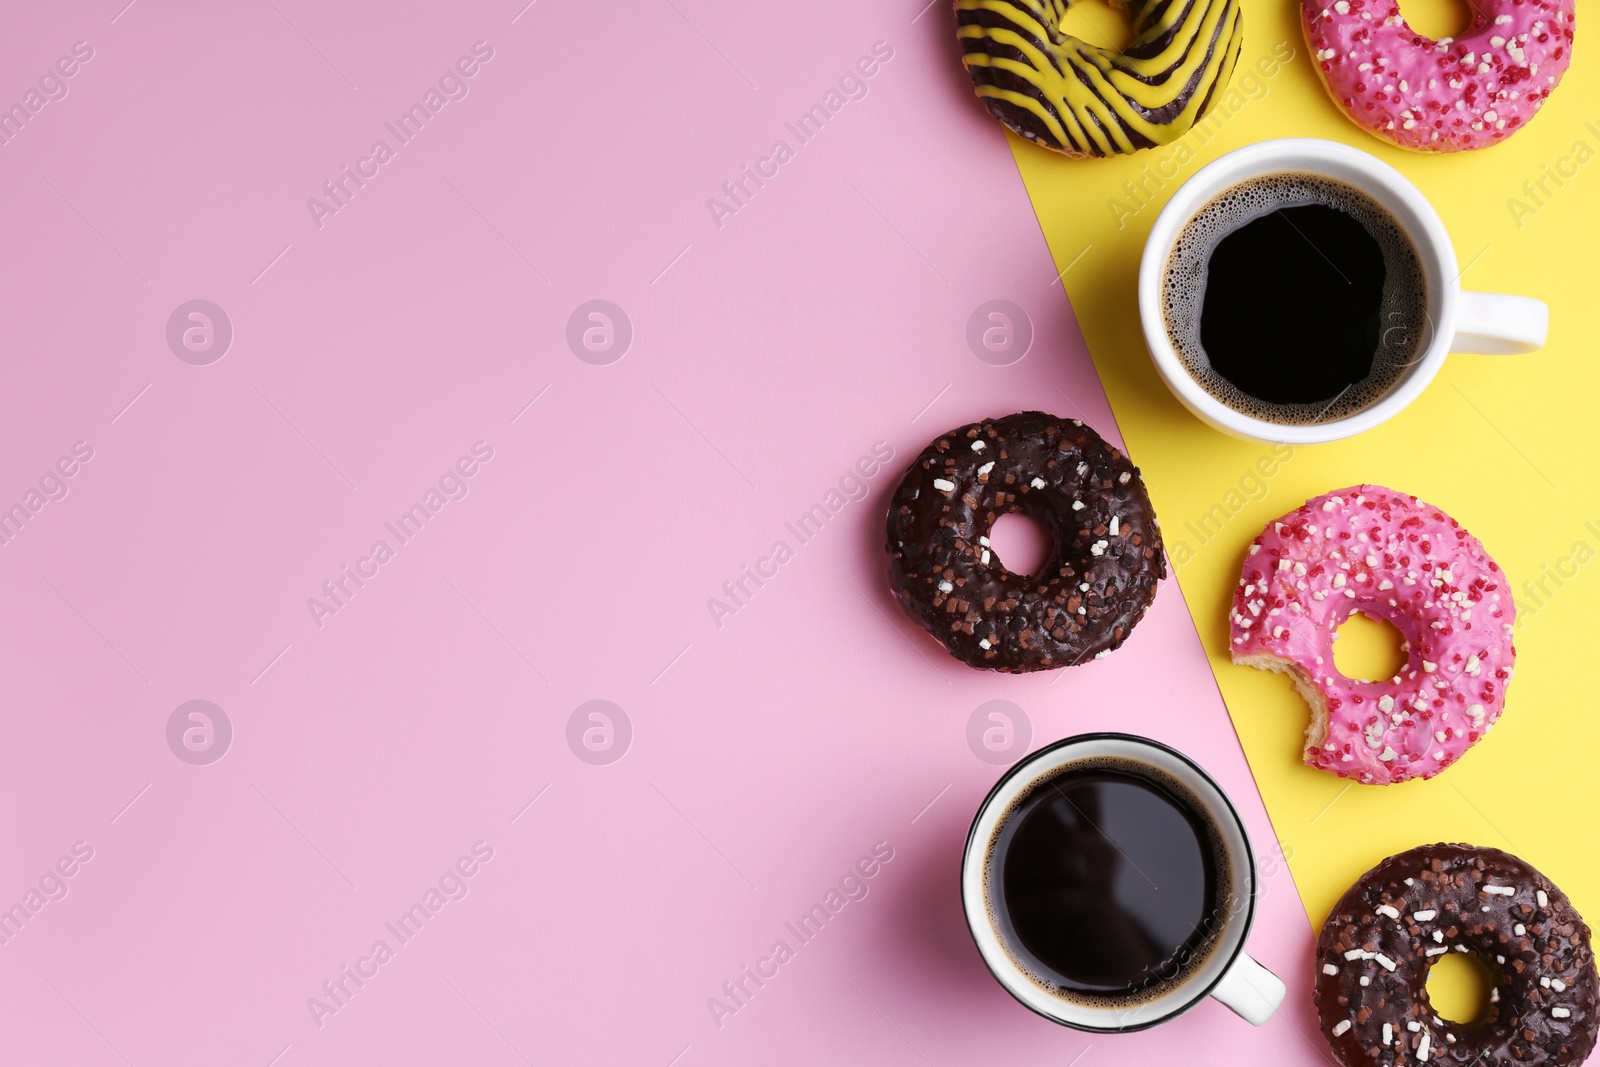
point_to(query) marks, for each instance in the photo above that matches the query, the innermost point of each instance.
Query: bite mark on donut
(1316, 701)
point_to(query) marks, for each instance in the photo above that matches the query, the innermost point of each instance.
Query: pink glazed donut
(1445, 95)
(1374, 550)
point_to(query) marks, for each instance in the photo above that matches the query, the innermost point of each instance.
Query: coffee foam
(1222, 864)
(1403, 307)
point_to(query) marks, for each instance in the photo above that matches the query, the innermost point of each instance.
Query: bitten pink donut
(1374, 550)
(1445, 95)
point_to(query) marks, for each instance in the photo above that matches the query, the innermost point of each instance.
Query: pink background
(368, 754)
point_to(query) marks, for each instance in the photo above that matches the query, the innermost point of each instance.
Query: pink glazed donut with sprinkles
(1391, 556)
(1445, 95)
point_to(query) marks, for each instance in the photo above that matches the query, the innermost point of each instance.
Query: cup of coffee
(1301, 291)
(1110, 886)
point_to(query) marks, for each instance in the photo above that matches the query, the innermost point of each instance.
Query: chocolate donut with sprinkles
(1106, 554)
(1377, 946)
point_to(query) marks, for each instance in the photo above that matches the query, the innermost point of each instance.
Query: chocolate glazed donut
(1375, 951)
(1104, 564)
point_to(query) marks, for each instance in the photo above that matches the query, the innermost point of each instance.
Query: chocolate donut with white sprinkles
(1105, 560)
(1383, 936)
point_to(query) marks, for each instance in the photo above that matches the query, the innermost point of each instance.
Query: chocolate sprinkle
(1454, 898)
(1105, 561)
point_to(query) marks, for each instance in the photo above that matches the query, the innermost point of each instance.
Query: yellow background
(1503, 443)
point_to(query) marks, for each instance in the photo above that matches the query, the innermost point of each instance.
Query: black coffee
(1106, 882)
(1296, 299)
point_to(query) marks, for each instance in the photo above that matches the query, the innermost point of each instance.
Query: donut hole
(1021, 543)
(1438, 18)
(1367, 648)
(1099, 23)
(1458, 987)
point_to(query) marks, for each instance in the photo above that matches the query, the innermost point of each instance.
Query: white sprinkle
(1388, 1034)
(1544, 901)
(1037, 483)
(1365, 980)
(1077, 505)
(983, 642)
(1341, 1027)
(1385, 909)
(1384, 961)
(1519, 929)
(1422, 1048)
(1429, 668)
(1124, 478)
(978, 446)
(1439, 951)
(1424, 916)
(1116, 525)
(985, 557)
(1357, 954)
(1500, 890)
(944, 485)
(1544, 981)
(1438, 935)
(1558, 985)
(1388, 753)
(946, 587)
(1560, 1013)
(1328, 968)
(1099, 548)
(987, 467)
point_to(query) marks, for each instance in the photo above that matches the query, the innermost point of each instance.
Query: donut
(1376, 948)
(1104, 564)
(1084, 100)
(1446, 95)
(1391, 556)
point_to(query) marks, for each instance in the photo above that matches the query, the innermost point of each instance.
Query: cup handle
(1250, 991)
(1497, 324)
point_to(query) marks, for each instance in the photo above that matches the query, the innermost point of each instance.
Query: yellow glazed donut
(1084, 100)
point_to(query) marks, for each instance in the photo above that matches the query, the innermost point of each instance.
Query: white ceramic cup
(1485, 323)
(1225, 972)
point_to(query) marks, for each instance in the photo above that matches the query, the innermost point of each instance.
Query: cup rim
(1249, 864)
(1374, 177)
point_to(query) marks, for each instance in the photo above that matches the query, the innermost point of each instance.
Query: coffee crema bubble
(1296, 299)
(1107, 883)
